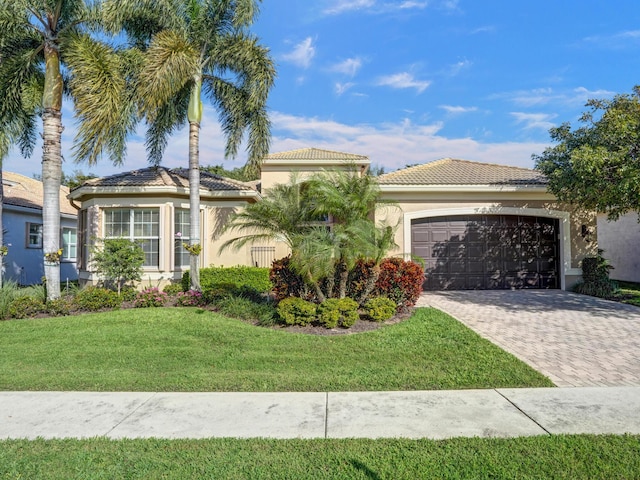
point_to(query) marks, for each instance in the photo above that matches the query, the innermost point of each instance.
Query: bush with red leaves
(400, 281)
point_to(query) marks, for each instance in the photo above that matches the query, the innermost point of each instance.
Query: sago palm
(39, 38)
(200, 48)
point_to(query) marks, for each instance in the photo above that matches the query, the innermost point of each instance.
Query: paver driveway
(574, 339)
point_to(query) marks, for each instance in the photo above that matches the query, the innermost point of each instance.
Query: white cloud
(349, 67)
(342, 6)
(458, 67)
(544, 96)
(341, 88)
(533, 121)
(409, 4)
(615, 41)
(457, 110)
(403, 80)
(394, 145)
(302, 54)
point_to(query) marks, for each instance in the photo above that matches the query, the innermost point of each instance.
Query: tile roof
(166, 177)
(28, 192)
(450, 171)
(316, 154)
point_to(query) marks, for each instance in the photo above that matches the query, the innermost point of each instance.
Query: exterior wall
(412, 205)
(213, 217)
(279, 173)
(25, 265)
(619, 240)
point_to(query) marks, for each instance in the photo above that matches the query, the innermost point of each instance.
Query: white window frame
(131, 234)
(68, 247)
(38, 235)
(184, 237)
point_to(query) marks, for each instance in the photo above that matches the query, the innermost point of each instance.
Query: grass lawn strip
(186, 349)
(558, 457)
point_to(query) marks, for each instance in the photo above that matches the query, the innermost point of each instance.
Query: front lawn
(558, 457)
(629, 293)
(187, 349)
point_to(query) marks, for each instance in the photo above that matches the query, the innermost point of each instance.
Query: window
(34, 235)
(181, 229)
(69, 243)
(141, 225)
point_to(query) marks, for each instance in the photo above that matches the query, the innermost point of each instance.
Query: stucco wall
(620, 241)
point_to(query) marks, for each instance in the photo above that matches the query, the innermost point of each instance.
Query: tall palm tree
(39, 38)
(201, 47)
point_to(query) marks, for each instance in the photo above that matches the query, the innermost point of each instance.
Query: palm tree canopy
(199, 46)
(94, 76)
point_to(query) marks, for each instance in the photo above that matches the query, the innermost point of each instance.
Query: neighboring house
(475, 225)
(22, 224)
(620, 240)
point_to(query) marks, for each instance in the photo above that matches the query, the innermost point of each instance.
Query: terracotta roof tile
(316, 154)
(449, 171)
(163, 177)
(28, 192)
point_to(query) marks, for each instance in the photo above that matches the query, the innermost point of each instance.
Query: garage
(469, 252)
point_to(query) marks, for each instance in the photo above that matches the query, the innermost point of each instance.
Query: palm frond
(171, 62)
(169, 118)
(103, 101)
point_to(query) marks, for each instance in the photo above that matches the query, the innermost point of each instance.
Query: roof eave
(463, 188)
(86, 190)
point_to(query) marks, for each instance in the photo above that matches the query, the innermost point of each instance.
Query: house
(619, 241)
(475, 225)
(486, 226)
(22, 224)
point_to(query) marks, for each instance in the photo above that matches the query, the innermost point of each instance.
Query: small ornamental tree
(118, 260)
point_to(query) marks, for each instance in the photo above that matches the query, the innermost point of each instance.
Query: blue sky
(412, 81)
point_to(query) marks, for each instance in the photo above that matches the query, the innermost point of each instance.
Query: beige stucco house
(619, 240)
(475, 225)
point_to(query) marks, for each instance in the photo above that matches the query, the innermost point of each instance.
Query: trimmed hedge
(240, 276)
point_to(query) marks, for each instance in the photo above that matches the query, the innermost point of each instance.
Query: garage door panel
(487, 251)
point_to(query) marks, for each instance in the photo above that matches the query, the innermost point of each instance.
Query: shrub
(8, 293)
(190, 298)
(342, 312)
(97, 298)
(297, 311)
(173, 289)
(150, 297)
(286, 282)
(25, 307)
(59, 307)
(380, 309)
(400, 281)
(595, 275)
(119, 260)
(239, 276)
(128, 293)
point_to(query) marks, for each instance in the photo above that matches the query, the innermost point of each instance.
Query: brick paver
(574, 339)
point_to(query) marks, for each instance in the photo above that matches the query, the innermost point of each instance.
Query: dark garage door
(468, 252)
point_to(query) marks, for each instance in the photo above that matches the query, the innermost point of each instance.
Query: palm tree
(39, 37)
(200, 47)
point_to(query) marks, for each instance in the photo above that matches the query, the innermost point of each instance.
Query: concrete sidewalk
(423, 414)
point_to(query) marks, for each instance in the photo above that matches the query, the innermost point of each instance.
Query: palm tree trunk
(51, 178)
(369, 285)
(195, 117)
(51, 167)
(344, 278)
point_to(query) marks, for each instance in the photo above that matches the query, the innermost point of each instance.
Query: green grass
(557, 457)
(184, 349)
(629, 292)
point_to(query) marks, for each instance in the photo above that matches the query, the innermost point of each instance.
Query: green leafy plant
(239, 276)
(380, 309)
(173, 289)
(341, 312)
(118, 260)
(97, 298)
(25, 307)
(595, 276)
(59, 307)
(194, 249)
(150, 297)
(296, 311)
